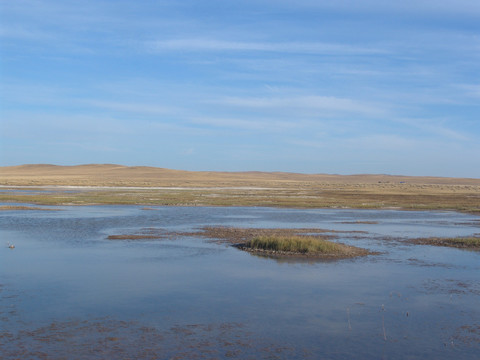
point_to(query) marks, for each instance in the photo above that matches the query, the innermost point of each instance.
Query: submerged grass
(458, 242)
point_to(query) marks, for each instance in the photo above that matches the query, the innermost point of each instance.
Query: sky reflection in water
(227, 303)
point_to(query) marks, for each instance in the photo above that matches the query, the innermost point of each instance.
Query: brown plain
(158, 186)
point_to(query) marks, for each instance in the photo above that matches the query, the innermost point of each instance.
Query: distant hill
(118, 175)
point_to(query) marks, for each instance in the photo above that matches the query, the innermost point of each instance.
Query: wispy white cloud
(32, 124)
(132, 107)
(258, 124)
(25, 92)
(434, 128)
(471, 90)
(381, 141)
(89, 145)
(311, 102)
(316, 144)
(206, 44)
(25, 33)
(138, 101)
(361, 142)
(416, 7)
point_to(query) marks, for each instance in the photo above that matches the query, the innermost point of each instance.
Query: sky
(310, 86)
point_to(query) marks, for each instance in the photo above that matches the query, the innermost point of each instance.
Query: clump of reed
(295, 244)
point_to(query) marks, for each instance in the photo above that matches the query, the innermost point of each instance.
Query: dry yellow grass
(118, 175)
(297, 244)
(240, 188)
(13, 208)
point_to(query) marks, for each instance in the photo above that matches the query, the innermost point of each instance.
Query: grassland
(114, 184)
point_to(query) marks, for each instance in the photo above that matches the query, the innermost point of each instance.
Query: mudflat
(117, 184)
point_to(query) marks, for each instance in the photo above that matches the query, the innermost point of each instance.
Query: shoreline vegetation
(121, 185)
(279, 243)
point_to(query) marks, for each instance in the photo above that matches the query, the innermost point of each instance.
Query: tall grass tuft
(295, 244)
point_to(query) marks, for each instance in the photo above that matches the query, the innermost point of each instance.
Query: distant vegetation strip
(472, 243)
(15, 207)
(118, 175)
(133, 237)
(149, 186)
(359, 196)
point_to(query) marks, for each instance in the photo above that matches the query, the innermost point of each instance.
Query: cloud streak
(215, 45)
(136, 108)
(305, 103)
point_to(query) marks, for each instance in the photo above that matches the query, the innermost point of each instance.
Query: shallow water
(66, 289)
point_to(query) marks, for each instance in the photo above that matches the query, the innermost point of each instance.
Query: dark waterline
(66, 288)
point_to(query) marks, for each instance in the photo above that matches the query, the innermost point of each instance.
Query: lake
(67, 291)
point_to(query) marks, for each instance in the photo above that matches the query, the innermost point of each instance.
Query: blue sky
(342, 86)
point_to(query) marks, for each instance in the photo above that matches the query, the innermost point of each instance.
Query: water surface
(66, 288)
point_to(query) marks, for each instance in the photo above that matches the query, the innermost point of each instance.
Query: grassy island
(299, 246)
(283, 243)
(278, 243)
(296, 244)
